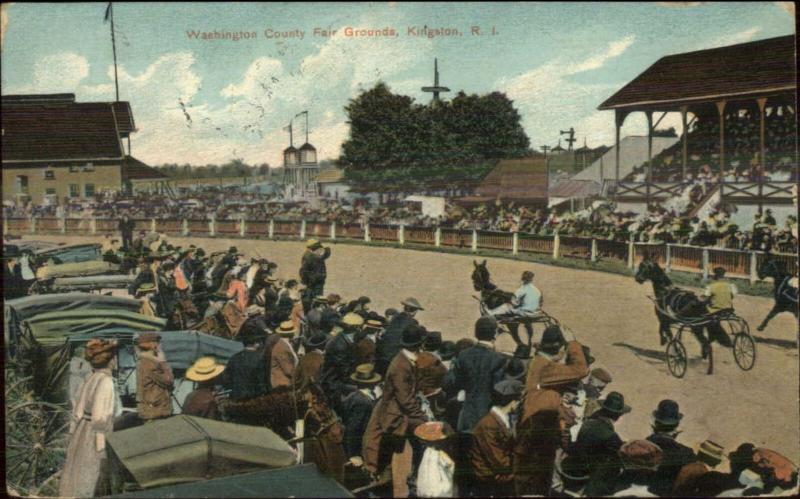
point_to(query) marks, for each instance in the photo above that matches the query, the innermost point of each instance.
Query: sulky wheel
(36, 439)
(744, 351)
(676, 358)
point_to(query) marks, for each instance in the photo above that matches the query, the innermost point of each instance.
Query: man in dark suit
(126, 226)
(476, 370)
(313, 271)
(13, 284)
(666, 419)
(390, 342)
(357, 409)
(310, 365)
(246, 372)
(339, 361)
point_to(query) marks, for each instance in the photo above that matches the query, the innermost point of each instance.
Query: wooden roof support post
(619, 117)
(649, 115)
(685, 139)
(721, 111)
(762, 104)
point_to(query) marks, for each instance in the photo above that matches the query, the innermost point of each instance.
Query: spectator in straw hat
(202, 402)
(665, 421)
(92, 421)
(492, 451)
(154, 379)
(283, 359)
(365, 347)
(340, 358)
(693, 479)
(357, 408)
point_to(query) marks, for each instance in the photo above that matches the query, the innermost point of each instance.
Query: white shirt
(528, 298)
(411, 356)
(503, 415)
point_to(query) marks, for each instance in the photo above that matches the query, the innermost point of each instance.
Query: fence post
(474, 240)
(93, 225)
(556, 246)
(593, 254)
(668, 261)
(437, 237)
(515, 243)
(152, 225)
(212, 229)
(366, 233)
(5, 224)
(705, 264)
(303, 229)
(63, 222)
(333, 230)
(271, 228)
(242, 227)
(753, 267)
(401, 234)
(185, 227)
(631, 253)
(33, 225)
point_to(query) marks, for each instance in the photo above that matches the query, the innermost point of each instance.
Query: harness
(785, 289)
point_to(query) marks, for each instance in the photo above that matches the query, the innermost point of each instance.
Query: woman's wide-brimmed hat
(204, 369)
(100, 352)
(433, 431)
(365, 375)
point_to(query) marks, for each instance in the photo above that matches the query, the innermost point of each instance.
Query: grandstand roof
(760, 68)
(133, 169)
(523, 179)
(575, 189)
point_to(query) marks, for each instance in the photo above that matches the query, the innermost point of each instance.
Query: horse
(784, 294)
(683, 303)
(492, 297)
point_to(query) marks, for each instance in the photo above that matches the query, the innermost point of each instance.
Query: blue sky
(557, 61)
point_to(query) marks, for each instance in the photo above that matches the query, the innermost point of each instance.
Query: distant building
(331, 185)
(55, 149)
(300, 168)
(523, 181)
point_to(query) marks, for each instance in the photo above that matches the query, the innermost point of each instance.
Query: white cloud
(60, 72)
(536, 93)
(3, 22)
(734, 38)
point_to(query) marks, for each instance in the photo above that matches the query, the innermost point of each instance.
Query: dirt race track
(610, 313)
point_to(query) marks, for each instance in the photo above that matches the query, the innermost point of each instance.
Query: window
(49, 175)
(88, 167)
(88, 190)
(74, 169)
(50, 191)
(22, 184)
(74, 190)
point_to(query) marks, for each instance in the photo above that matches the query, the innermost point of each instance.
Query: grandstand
(739, 145)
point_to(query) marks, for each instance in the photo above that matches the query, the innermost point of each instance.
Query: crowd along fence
(680, 257)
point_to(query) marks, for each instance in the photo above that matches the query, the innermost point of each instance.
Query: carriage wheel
(676, 358)
(744, 351)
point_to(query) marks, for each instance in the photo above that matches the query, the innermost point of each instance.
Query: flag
(300, 114)
(108, 12)
(288, 128)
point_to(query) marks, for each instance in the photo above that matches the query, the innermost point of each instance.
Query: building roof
(523, 179)
(133, 169)
(307, 147)
(747, 69)
(59, 130)
(575, 189)
(330, 176)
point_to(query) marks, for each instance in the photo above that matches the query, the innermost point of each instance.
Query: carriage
(744, 346)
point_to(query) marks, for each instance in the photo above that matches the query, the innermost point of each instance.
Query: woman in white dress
(92, 420)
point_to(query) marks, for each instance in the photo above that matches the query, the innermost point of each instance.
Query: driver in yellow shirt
(719, 300)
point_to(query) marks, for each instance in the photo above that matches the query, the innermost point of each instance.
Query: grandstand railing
(680, 257)
(769, 191)
(650, 189)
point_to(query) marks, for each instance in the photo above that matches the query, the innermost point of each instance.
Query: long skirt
(82, 468)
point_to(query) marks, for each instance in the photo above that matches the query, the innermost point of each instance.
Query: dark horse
(492, 297)
(784, 294)
(683, 303)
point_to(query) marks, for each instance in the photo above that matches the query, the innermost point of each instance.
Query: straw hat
(100, 352)
(711, 451)
(147, 287)
(204, 369)
(352, 320)
(365, 375)
(313, 244)
(433, 431)
(286, 329)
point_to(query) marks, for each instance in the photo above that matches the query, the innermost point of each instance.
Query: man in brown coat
(365, 347)
(548, 354)
(154, 379)
(309, 366)
(202, 402)
(398, 413)
(492, 450)
(283, 359)
(541, 427)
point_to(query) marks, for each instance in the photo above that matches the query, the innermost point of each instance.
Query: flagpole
(114, 48)
(306, 126)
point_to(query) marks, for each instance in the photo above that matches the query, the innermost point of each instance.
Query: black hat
(573, 471)
(486, 328)
(719, 271)
(667, 413)
(615, 404)
(552, 339)
(413, 336)
(509, 388)
(316, 341)
(11, 251)
(587, 353)
(200, 253)
(233, 250)
(433, 341)
(363, 300)
(168, 266)
(515, 369)
(448, 350)
(252, 331)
